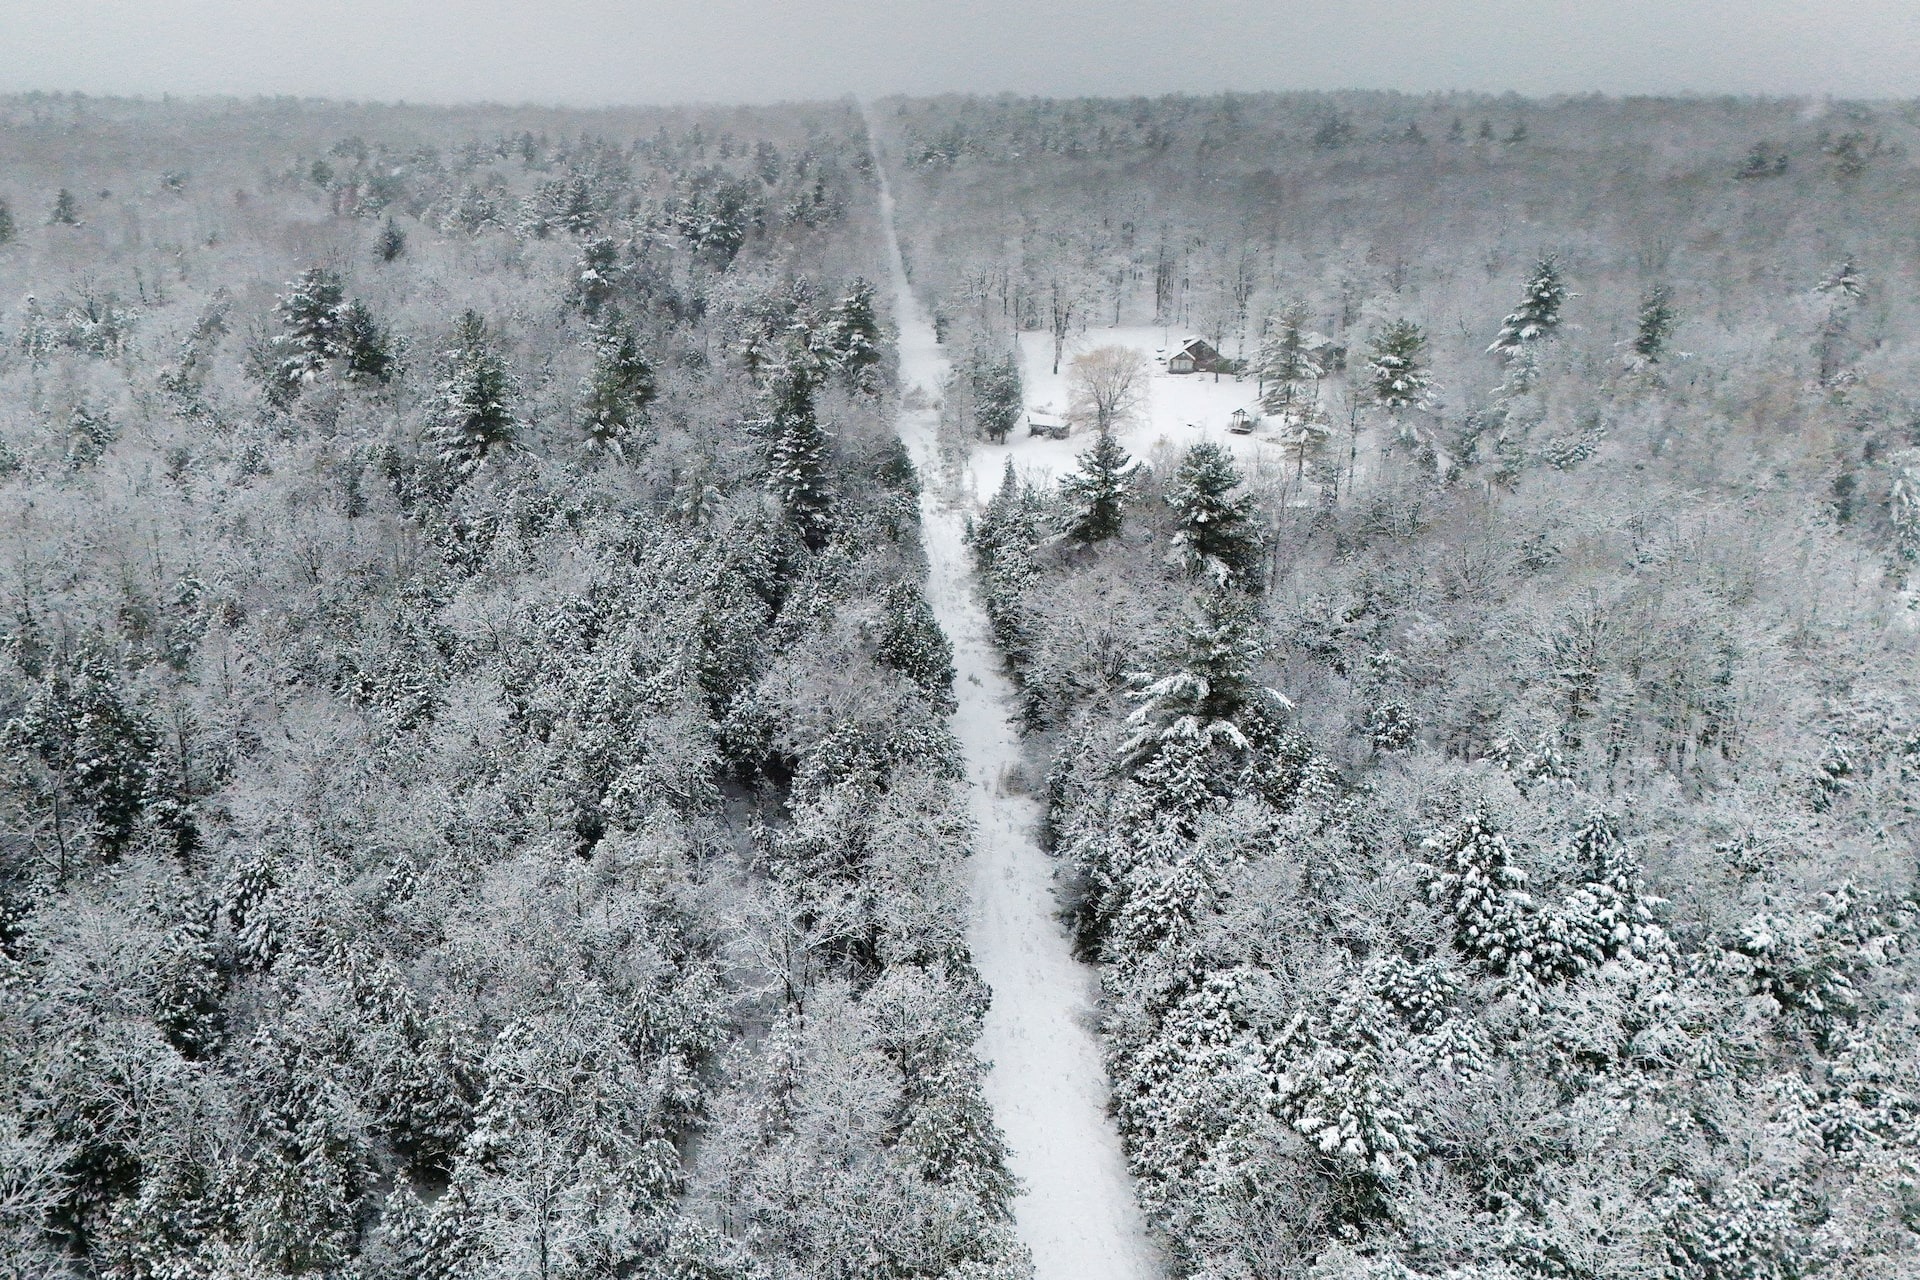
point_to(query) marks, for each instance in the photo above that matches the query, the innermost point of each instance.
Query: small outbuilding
(1042, 422)
(1242, 422)
(1193, 355)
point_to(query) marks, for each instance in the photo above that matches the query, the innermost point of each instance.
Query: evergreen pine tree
(187, 989)
(313, 314)
(392, 243)
(66, 210)
(1903, 505)
(1477, 881)
(853, 336)
(368, 349)
(1200, 702)
(994, 378)
(1097, 494)
(618, 389)
(472, 412)
(1216, 534)
(6, 223)
(1538, 316)
(1654, 325)
(911, 642)
(1003, 524)
(1397, 375)
(1844, 288)
(595, 275)
(798, 451)
(1003, 542)
(1286, 361)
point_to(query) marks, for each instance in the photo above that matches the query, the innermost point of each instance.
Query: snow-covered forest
(1493, 806)
(489, 793)
(477, 800)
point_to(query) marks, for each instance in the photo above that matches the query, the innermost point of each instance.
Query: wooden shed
(1041, 422)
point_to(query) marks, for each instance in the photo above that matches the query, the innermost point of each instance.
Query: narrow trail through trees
(1047, 1085)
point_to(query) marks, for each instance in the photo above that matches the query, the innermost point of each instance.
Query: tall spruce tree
(1537, 318)
(1198, 705)
(618, 389)
(1097, 494)
(6, 223)
(994, 379)
(368, 350)
(66, 210)
(909, 640)
(853, 336)
(1397, 374)
(798, 452)
(595, 275)
(1654, 325)
(392, 242)
(1286, 362)
(1215, 534)
(313, 315)
(472, 413)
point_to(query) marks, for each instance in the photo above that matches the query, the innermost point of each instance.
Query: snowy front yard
(1182, 410)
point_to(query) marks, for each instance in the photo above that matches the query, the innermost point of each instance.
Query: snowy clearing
(1181, 410)
(1046, 1081)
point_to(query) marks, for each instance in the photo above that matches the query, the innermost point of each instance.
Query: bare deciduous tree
(1108, 386)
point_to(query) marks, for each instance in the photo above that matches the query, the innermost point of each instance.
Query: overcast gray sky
(609, 51)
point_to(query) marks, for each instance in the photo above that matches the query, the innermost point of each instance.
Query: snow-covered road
(1047, 1086)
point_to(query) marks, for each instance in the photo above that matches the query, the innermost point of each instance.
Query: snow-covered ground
(1181, 410)
(1076, 1211)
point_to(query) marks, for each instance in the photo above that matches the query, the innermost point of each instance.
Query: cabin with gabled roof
(1193, 355)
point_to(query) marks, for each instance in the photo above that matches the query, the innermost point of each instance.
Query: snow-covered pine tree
(312, 313)
(1397, 374)
(66, 210)
(1097, 493)
(96, 744)
(618, 388)
(472, 412)
(1216, 534)
(1611, 914)
(853, 336)
(6, 223)
(994, 378)
(187, 986)
(595, 275)
(1006, 523)
(392, 242)
(369, 350)
(1844, 287)
(1475, 878)
(909, 640)
(798, 452)
(1003, 542)
(1537, 318)
(1339, 1091)
(1654, 324)
(1286, 361)
(1201, 700)
(1903, 504)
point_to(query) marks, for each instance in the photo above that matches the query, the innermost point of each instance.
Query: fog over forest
(1241, 686)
